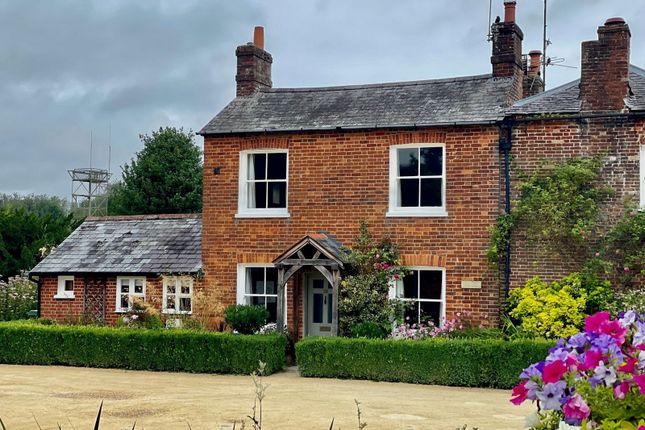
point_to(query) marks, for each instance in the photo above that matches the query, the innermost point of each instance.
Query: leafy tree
(165, 177)
(29, 227)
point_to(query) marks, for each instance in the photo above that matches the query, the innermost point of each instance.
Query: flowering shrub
(461, 326)
(17, 297)
(364, 290)
(142, 315)
(592, 380)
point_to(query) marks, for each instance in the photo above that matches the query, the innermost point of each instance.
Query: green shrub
(370, 330)
(169, 350)
(457, 362)
(246, 319)
(548, 310)
(629, 300)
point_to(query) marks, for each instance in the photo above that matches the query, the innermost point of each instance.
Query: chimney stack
(604, 77)
(253, 65)
(507, 49)
(533, 83)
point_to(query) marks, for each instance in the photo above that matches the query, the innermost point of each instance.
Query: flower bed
(173, 350)
(459, 362)
(592, 380)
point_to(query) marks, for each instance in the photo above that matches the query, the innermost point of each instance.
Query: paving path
(160, 400)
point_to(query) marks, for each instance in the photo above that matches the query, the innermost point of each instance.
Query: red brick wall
(618, 141)
(337, 179)
(69, 310)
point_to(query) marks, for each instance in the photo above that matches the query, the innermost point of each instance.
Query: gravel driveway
(159, 400)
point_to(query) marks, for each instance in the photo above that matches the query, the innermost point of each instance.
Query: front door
(320, 312)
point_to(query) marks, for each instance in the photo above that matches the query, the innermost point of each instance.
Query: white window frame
(60, 292)
(243, 211)
(394, 288)
(241, 285)
(178, 294)
(642, 177)
(394, 209)
(131, 293)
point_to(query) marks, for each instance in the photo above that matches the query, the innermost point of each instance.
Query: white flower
(565, 426)
(532, 420)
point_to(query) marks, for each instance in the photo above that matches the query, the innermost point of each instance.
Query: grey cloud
(68, 68)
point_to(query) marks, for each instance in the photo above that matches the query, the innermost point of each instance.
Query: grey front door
(319, 306)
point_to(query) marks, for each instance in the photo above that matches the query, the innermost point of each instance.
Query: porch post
(335, 295)
(280, 304)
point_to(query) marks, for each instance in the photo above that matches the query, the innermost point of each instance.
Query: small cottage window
(127, 289)
(178, 294)
(65, 287)
(423, 288)
(417, 180)
(257, 285)
(263, 184)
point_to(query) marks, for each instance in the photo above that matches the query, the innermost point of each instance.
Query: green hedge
(459, 362)
(172, 350)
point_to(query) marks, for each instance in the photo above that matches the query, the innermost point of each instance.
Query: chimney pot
(258, 37)
(534, 62)
(615, 21)
(509, 10)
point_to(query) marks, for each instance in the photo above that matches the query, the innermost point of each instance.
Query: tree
(165, 177)
(29, 225)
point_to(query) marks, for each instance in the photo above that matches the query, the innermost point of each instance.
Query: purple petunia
(552, 395)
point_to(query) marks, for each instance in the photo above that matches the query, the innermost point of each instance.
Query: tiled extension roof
(566, 98)
(131, 244)
(472, 99)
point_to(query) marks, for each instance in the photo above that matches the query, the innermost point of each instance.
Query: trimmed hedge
(140, 349)
(460, 362)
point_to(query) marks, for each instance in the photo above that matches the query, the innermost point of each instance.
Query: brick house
(289, 174)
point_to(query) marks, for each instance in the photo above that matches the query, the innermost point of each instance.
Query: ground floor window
(178, 294)
(257, 285)
(129, 288)
(423, 289)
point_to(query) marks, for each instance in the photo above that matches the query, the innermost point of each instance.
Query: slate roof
(566, 98)
(466, 100)
(138, 244)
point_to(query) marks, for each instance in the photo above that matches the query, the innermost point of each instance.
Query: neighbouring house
(289, 174)
(107, 262)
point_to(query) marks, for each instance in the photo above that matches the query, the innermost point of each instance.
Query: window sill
(260, 214)
(64, 297)
(416, 214)
(180, 313)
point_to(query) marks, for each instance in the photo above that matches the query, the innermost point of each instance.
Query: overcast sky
(71, 68)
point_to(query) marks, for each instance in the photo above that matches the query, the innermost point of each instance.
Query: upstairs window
(417, 180)
(263, 183)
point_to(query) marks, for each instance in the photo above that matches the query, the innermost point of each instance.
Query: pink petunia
(640, 381)
(593, 322)
(629, 366)
(554, 371)
(621, 390)
(591, 359)
(576, 408)
(613, 329)
(519, 393)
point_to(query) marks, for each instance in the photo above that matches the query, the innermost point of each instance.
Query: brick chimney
(507, 48)
(604, 78)
(533, 83)
(253, 65)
